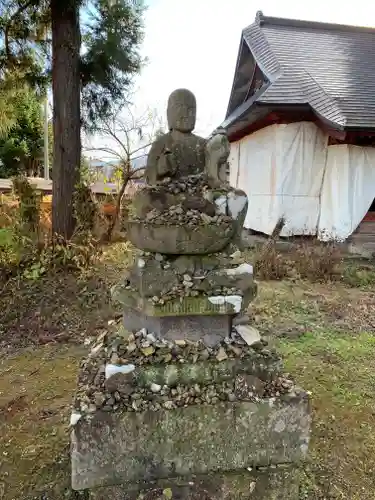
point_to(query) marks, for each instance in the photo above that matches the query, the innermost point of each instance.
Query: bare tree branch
(134, 151)
(131, 134)
(106, 150)
(137, 170)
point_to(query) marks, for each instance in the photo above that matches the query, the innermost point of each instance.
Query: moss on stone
(269, 484)
(184, 306)
(110, 448)
(207, 372)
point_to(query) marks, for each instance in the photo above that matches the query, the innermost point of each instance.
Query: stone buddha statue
(179, 153)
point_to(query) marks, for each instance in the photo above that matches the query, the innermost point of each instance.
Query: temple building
(301, 122)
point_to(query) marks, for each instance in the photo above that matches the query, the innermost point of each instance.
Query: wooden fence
(46, 186)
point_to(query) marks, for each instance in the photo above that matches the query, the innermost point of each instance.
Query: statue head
(182, 110)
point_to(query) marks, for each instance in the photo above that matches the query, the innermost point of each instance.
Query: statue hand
(166, 164)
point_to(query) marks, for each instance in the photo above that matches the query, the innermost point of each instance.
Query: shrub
(317, 261)
(25, 251)
(307, 259)
(359, 274)
(29, 205)
(269, 264)
(85, 208)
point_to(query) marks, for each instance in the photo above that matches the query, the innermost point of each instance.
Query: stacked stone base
(189, 297)
(248, 448)
(187, 406)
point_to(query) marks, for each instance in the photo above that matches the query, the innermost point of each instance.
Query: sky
(194, 44)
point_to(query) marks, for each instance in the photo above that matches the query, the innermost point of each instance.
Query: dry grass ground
(324, 331)
(326, 336)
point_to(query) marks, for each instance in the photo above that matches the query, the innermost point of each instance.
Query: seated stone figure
(178, 153)
(231, 201)
(216, 161)
(188, 205)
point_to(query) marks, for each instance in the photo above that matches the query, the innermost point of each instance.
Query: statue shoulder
(161, 142)
(157, 148)
(201, 141)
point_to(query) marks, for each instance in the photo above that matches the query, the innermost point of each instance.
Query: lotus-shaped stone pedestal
(179, 240)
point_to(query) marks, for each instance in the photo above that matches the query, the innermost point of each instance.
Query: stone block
(151, 279)
(179, 239)
(211, 329)
(116, 448)
(170, 279)
(210, 371)
(203, 305)
(269, 484)
(200, 263)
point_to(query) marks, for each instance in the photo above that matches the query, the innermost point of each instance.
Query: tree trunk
(112, 223)
(66, 42)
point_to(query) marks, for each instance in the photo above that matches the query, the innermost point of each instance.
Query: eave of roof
(290, 85)
(299, 23)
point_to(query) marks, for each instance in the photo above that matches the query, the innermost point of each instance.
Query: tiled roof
(329, 67)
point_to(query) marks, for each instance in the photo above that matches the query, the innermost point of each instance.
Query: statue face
(182, 109)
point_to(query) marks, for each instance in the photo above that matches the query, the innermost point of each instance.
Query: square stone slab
(281, 483)
(128, 447)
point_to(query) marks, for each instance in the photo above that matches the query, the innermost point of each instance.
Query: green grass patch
(359, 274)
(343, 365)
(36, 389)
(6, 237)
(338, 369)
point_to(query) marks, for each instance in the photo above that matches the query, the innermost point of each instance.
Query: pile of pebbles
(176, 215)
(196, 186)
(143, 348)
(188, 289)
(95, 392)
(192, 184)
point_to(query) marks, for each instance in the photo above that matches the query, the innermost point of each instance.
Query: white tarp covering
(281, 170)
(348, 190)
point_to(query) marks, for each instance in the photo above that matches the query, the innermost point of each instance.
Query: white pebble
(113, 369)
(155, 387)
(248, 333)
(142, 332)
(74, 417)
(151, 338)
(241, 269)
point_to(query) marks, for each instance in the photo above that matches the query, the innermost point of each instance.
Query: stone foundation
(213, 423)
(273, 483)
(144, 446)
